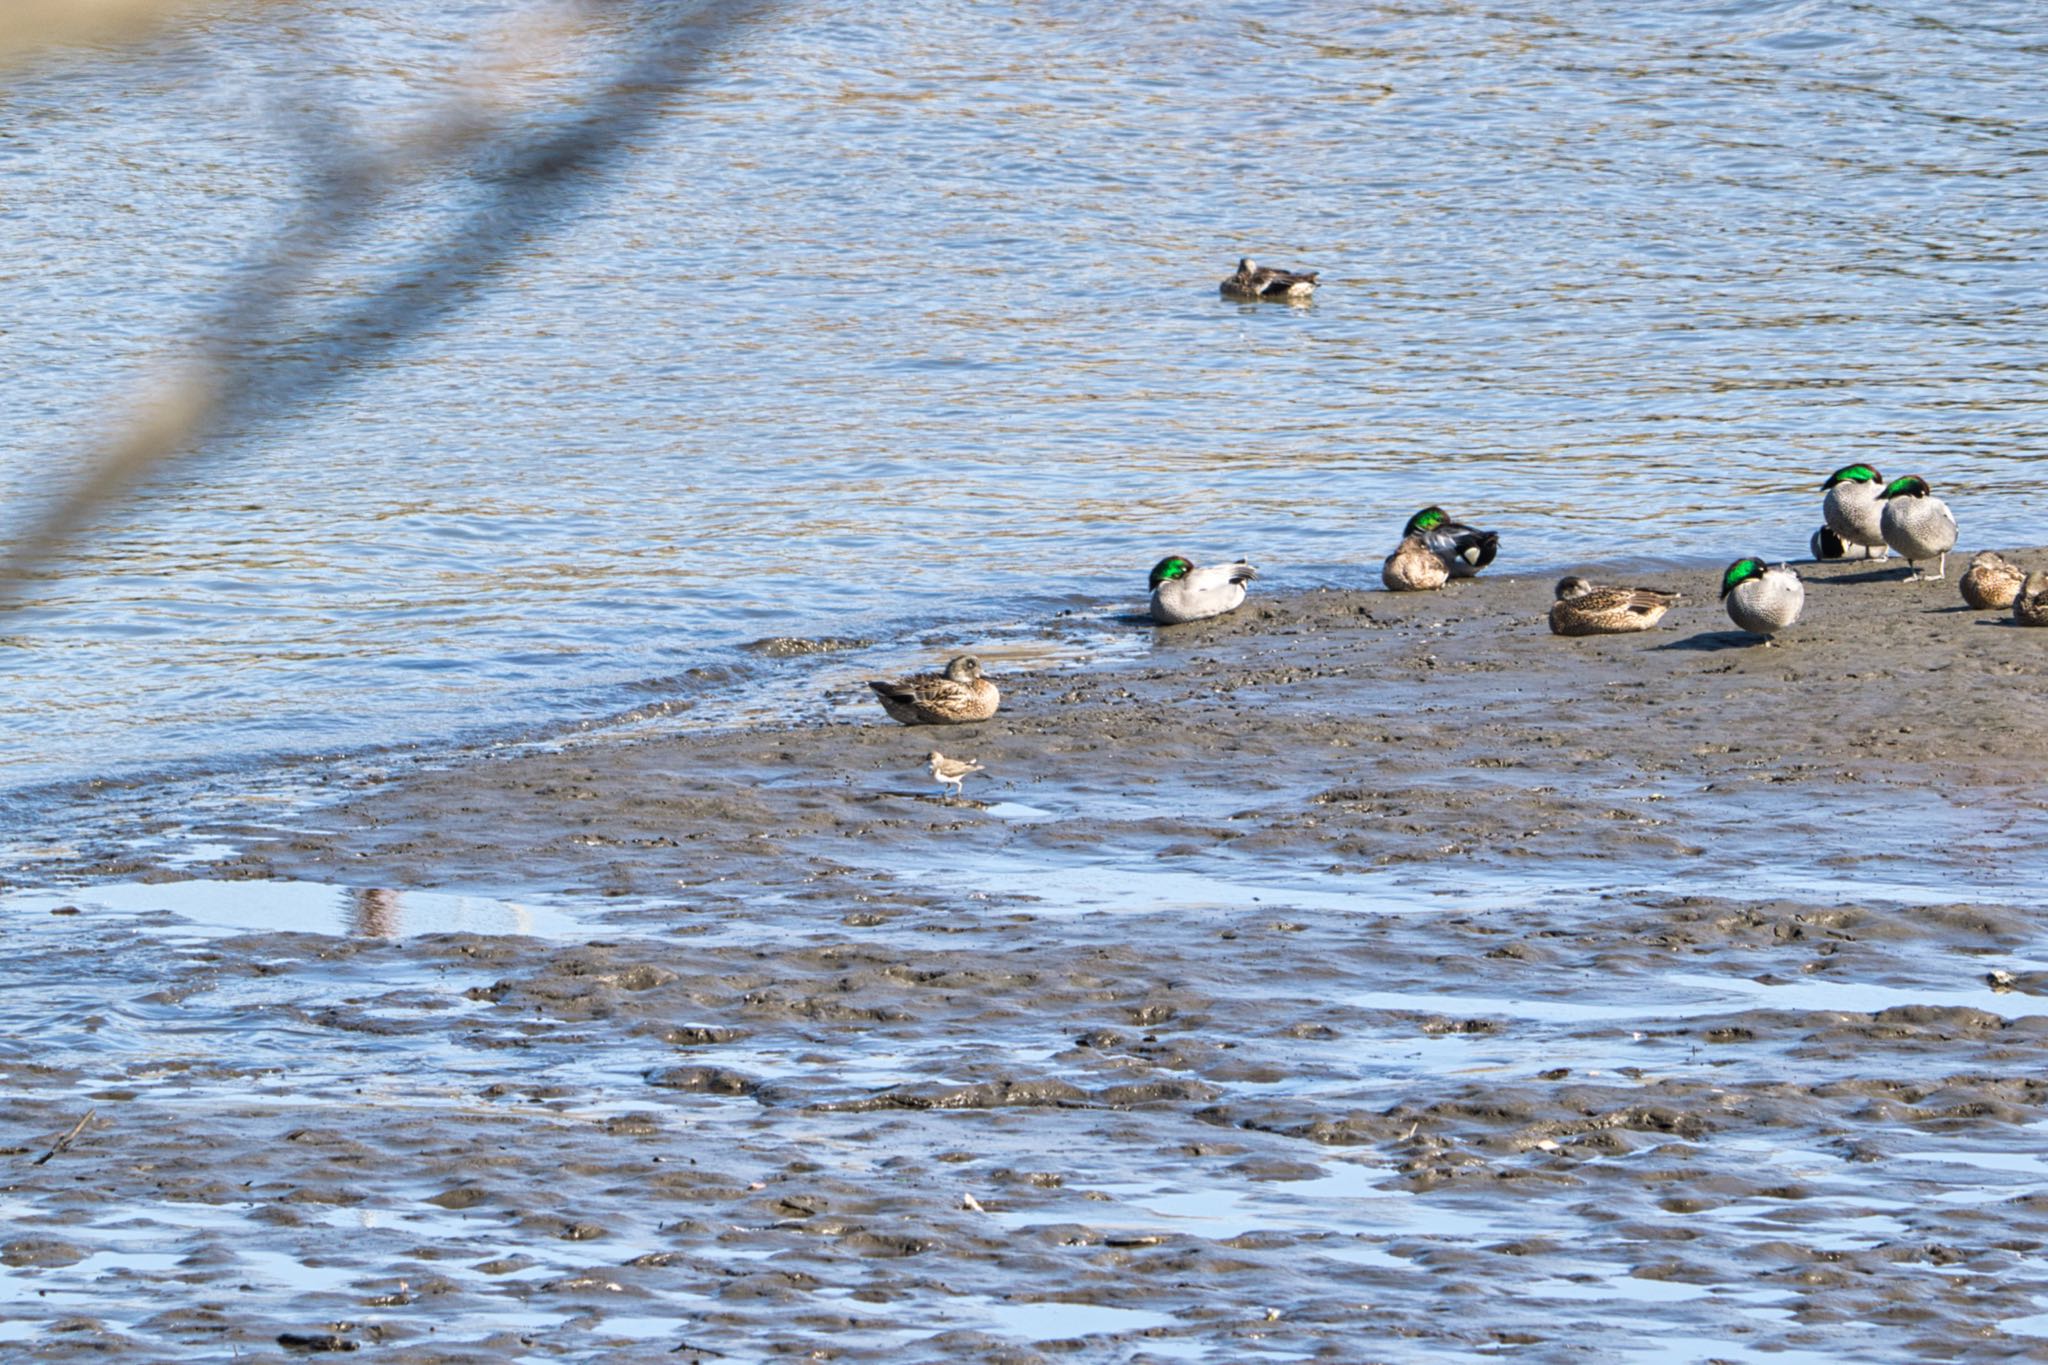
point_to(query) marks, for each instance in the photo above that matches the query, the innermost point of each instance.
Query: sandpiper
(951, 772)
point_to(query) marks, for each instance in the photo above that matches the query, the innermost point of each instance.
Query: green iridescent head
(1428, 519)
(1912, 486)
(1173, 566)
(1740, 572)
(1853, 473)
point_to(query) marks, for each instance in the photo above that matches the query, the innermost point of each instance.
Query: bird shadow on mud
(1890, 575)
(1710, 641)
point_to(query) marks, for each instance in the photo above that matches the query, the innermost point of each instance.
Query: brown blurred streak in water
(227, 377)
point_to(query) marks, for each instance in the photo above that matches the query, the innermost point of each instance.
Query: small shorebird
(1181, 592)
(1583, 609)
(1992, 582)
(1261, 282)
(955, 696)
(1917, 524)
(2030, 607)
(1851, 509)
(1827, 546)
(1413, 567)
(1463, 550)
(951, 772)
(1761, 600)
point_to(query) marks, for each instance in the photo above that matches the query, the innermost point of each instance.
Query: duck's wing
(1212, 578)
(1268, 280)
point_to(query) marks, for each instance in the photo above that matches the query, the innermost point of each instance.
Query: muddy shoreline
(1361, 976)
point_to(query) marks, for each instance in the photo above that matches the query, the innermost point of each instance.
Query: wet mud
(1359, 977)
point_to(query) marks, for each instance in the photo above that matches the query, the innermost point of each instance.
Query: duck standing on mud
(1851, 510)
(1917, 524)
(954, 697)
(1761, 600)
(1262, 282)
(1583, 609)
(1183, 592)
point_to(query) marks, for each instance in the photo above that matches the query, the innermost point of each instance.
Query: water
(904, 320)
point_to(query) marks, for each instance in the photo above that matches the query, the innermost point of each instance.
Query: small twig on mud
(65, 1141)
(702, 1350)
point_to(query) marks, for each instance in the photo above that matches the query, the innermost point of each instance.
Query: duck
(1463, 550)
(1852, 508)
(954, 697)
(1760, 599)
(1254, 281)
(1183, 591)
(1582, 608)
(1992, 582)
(1414, 567)
(2030, 606)
(1828, 546)
(1917, 524)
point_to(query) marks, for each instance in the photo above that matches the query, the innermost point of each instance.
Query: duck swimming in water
(1254, 281)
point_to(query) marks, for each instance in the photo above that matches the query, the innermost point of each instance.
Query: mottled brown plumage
(1413, 567)
(1585, 609)
(1992, 582)
(958, 695)
(2030, 608)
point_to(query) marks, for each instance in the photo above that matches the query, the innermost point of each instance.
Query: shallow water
(902, 325)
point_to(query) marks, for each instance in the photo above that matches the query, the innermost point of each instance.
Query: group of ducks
(1862, 516)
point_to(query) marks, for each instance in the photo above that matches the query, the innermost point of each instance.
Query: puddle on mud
(234, 907)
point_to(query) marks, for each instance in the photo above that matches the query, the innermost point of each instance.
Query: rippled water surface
(904, 317)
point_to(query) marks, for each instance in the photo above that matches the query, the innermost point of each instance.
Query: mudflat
(1359, 976)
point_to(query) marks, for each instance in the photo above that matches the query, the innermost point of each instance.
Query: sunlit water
(904, 320)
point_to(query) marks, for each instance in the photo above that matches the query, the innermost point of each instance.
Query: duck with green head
(1183, 591)
(1917, 524)
(1851, 508)
(1761, 599)
(1463, 550)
